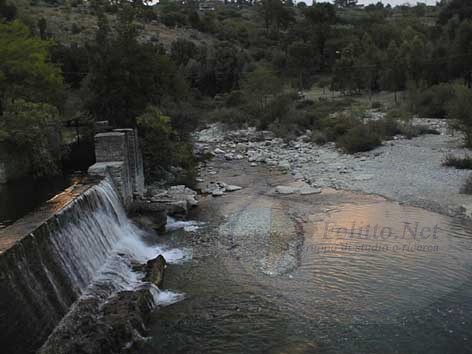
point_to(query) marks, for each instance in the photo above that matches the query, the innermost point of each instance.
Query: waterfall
(87, 249)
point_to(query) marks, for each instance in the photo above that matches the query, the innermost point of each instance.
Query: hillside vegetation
(272, 65)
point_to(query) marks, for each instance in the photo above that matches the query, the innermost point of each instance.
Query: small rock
(217, 193)
(365, 177)
(218, 151)
(155, 270)
(284, 164)
(232, 188)
(286, 190)
(310, 190)
(253, 164)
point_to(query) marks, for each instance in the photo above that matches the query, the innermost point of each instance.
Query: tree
(320, 18)
(162, 146)
(25, 67)
(7, 11)
(301, 61)
(126, 75)
(182, 50)
(345, 3)
(460, 61)
(32, 131)
(461, 8)
(259, 86)
(275, 14)
(394, 75)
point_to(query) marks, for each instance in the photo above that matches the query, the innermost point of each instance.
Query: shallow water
(401, 285)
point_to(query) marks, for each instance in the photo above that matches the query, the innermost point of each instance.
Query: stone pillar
(134, 160)
(118, 155)
(111, 154)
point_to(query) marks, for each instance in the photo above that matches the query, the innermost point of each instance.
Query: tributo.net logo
(406, 231)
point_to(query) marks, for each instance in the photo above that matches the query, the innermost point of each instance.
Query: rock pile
(152, 210)
(218, 189)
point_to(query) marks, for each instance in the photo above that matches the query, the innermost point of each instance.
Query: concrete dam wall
(50, 257)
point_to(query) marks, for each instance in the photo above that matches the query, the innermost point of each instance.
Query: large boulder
(97, 327)
(177, 200)
(149, 214)
(155, 270)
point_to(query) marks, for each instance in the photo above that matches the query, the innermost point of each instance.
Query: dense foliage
(244, 63)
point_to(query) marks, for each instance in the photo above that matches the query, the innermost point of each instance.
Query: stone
(286, 190)
(149, 214)
(309, 190)
(232, 188)
(466, 210)
(229, 156)
(218, 151)
(363, 177)
(284, 164)
(253, 164)
(155, 270)
(217, 192)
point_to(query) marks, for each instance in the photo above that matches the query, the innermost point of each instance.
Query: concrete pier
(118, 155)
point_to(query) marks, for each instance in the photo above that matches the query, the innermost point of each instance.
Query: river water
(331, 273)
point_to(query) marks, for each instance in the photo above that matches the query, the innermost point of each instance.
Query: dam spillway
(79, 243)
(49, 257)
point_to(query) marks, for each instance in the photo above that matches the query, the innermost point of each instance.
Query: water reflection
(391, 279)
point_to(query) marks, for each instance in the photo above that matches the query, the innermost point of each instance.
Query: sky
(392, 2)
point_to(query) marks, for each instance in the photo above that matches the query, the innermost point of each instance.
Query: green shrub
(358, 139)
(459, 110)
(231, 117)
(235, 98)
(461, 163)
(385, 128)
(338, 125)
(433, 101)
(377, 105)
(319, 137)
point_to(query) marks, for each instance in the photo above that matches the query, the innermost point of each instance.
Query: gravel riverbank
(408, 171)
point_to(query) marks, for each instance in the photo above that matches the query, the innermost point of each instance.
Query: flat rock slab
(286, 190)
(310, 190)
(232, 188)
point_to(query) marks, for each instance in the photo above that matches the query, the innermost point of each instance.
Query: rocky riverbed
(279, 266)
(406, 170)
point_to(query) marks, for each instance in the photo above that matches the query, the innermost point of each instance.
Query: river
(336, 272)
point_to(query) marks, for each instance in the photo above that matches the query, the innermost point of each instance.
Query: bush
(433, 102)
(459, 110)
(339, 125)
(231, 117)
(319, 137)
(377, 105)
(385, 128)
(461, 163)
(358, 139)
